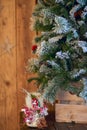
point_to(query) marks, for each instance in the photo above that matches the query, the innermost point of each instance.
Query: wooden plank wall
(15, 49)
(24, 40)
(8, 90)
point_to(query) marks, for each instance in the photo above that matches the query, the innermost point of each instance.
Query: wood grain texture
(2, 103)
(62, 95)
(8, 90)
(15, 49)
(25, 37)
(71, 113)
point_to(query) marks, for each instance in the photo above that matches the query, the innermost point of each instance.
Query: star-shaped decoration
(7, 47)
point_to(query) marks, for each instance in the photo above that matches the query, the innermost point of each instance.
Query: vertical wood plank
(8, 90)
(2, 104)
(24, 43)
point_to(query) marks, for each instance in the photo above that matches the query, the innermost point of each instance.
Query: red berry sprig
(34, 48)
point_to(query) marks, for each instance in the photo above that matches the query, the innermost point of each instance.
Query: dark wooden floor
(52, 125)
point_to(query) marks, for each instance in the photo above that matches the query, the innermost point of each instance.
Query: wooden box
(70, 108)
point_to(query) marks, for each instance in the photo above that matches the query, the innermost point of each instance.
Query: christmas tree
(60, 47)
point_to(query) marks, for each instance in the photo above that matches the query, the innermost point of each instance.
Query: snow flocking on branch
(61, 25)
(85, 35)
(55, 39)
(83, 94)
(58, 1)
(53, 64)
(82, 2)
(83, 45)
(62, 55)
(78, 73)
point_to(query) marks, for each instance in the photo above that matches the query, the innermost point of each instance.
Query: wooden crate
(70, 108)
